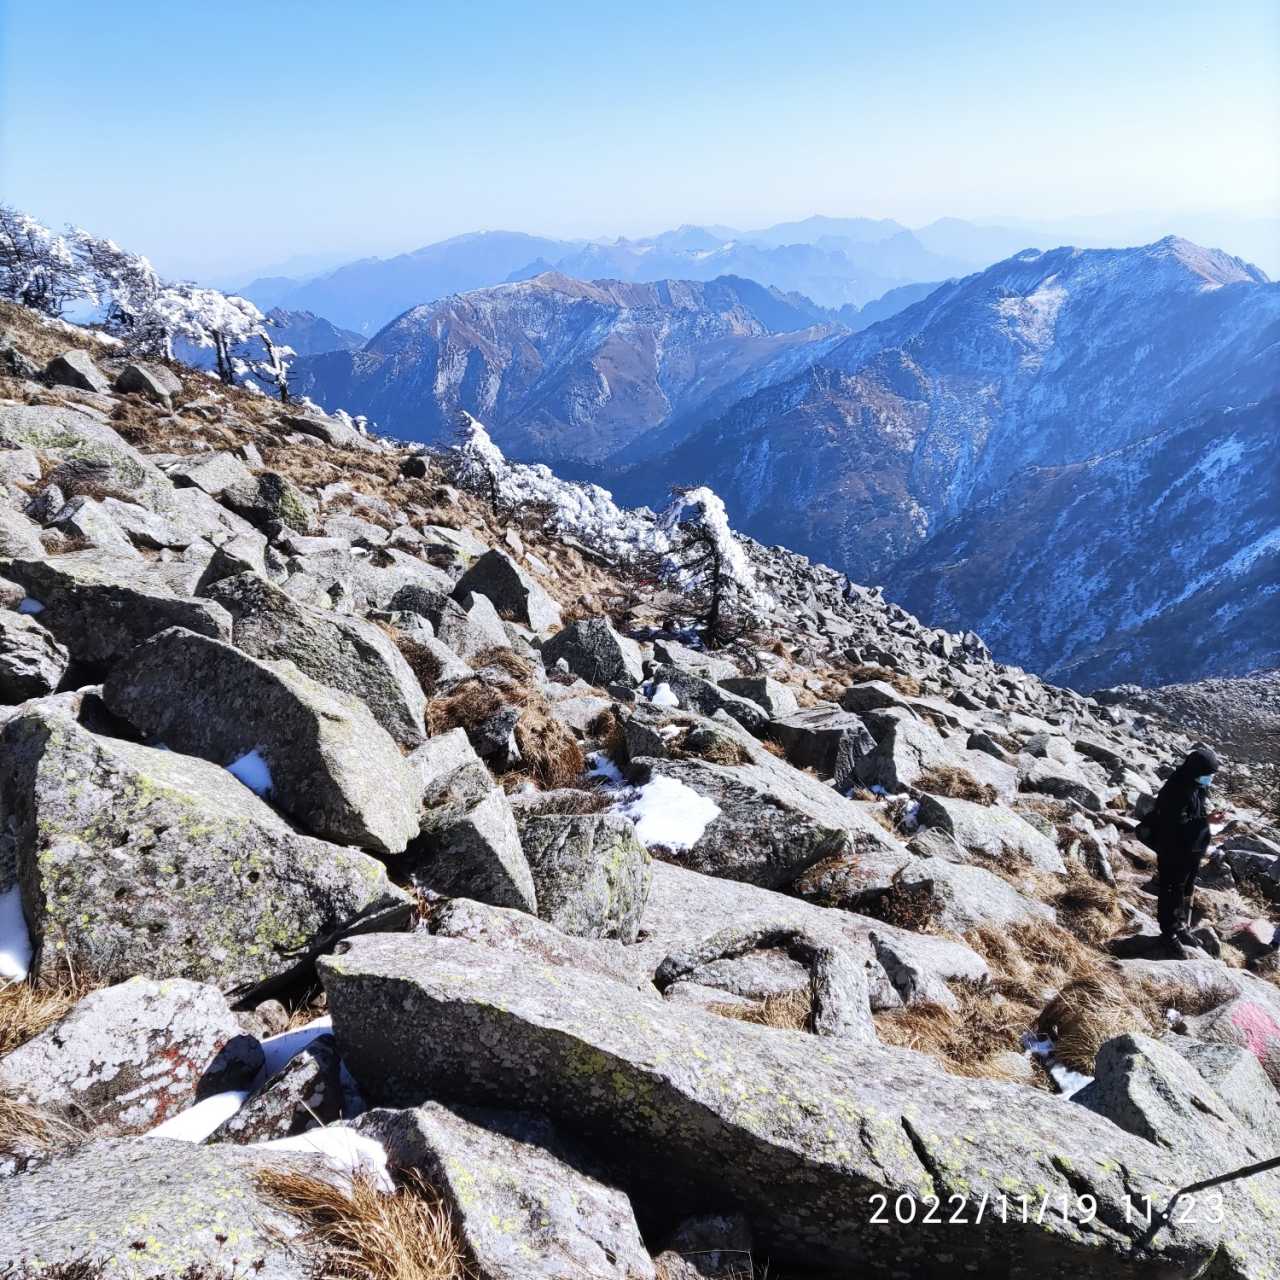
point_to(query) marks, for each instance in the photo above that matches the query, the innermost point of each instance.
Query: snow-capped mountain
(570, 371)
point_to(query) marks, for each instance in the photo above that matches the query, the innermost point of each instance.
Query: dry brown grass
(500, 658)
(958, 784)
(422, 662)
(790, 1011)
(606, 730)
(362, 1233)
(742, 1270)
(715, 748)
(773, 748)
(27, 1009)
(467, 705)
(1089, 908)
(1095, 1008)
(967, 1040)
(548, 748)
(568, 801)
(906, 685)
(26, 1128)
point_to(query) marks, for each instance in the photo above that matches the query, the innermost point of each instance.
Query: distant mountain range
(841, 264)
(1007, 453)
(835, 262)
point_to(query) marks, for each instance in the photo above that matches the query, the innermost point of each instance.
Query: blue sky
(228, 136)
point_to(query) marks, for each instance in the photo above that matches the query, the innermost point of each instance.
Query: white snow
(663, 696)
(668, 813)
(253, 771)
(1069, 1082)
(196, 1123)
(600, 766)
(280, 1048)
(706, 507)
(348, 1153)
(15, 942)
(30, 605)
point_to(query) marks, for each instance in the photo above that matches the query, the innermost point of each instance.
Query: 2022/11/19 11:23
(961, 1210)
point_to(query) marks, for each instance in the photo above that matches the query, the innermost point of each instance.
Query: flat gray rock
(799, 1133)
(134, 860)
(100, 605)
(128, 1057)
(775, 699)
(520, 932)
(95, 1206)
(990, 830)
(524, 1204)
(332, 767)
(909, 749)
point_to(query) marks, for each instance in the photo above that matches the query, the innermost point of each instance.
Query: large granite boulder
(468, 845)
(826, 739)
(32, 662)
(347, 654)
(801, 1140)
(138, 1208)
(909, 750)
(522, 1197)
(128, 1057)
(590, 872)
(328, 763)
(151, 380)
(775, 699)
(85, 441)
(685, 907)
(101, 605)
(950, 897)
(75, 368)
(704, 696)
(989, 830)
(592, 649)
(774, 821)
(515, 594)
(134, 860)
(19, 537)
(1150, 1090)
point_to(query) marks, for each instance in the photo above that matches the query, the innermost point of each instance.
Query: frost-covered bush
(38, 267)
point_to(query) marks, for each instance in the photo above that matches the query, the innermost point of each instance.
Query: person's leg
(1169, 894)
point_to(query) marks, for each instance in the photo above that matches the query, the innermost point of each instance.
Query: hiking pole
(1163, 1217)
(1247, 1172)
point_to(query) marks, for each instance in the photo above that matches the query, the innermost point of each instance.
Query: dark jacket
(1180, 818)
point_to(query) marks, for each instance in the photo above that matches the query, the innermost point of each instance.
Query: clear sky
(223, 137)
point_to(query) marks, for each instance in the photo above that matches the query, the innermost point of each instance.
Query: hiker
(1180, 826)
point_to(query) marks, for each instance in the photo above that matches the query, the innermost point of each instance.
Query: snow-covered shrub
(38, 267)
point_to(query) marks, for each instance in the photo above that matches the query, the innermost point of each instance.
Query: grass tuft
(362, 1233)
(956, 783)
(790, 1011)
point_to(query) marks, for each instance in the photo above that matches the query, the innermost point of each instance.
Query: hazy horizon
(223, 148)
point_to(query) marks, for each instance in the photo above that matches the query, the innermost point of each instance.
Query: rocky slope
(633, 958)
